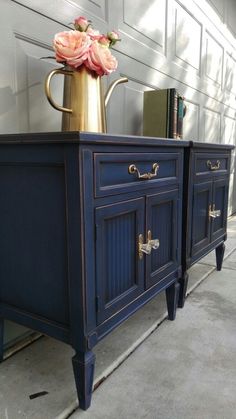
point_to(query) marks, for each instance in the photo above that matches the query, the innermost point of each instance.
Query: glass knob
(155, 244)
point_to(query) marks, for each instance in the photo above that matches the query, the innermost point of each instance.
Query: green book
(160, 113)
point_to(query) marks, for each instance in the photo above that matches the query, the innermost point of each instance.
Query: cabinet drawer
(113, 174)
(211, 164)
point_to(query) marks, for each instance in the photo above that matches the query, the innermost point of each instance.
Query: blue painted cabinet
(205, 202)
(90, 231)
(94, 226)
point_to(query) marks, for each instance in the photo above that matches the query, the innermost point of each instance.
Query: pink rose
(71, 47)
(100, 59)
(94, 34)
(104, 41)
(81, 23)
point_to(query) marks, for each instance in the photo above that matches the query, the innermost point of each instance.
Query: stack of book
(163, 113)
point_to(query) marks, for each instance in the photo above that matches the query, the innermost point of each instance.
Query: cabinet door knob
(147, 247)
(149, 175)
(212, 166)
(143, 247)
(154, 243)
(213, 213)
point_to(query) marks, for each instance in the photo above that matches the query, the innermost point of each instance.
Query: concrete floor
(184, 369)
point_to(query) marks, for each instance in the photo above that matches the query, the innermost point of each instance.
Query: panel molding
(212, 125)
(230, 74)
(191, 120)
(188, 51)
(214, 60)
(67, 10)
(149, 21)
(229, 129)
(33, 41)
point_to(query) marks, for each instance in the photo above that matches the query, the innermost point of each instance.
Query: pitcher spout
(111, 88)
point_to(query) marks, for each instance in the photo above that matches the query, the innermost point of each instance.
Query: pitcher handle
(48, 91)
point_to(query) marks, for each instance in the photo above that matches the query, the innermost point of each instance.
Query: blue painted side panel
(33, 266)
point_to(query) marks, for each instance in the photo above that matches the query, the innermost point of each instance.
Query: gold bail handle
(133, 170)
(48, 91)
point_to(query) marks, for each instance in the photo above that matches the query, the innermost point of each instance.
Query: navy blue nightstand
(205, 202)
(90, 231)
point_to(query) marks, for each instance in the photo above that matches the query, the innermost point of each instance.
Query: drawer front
(122, 172)
(211, 164)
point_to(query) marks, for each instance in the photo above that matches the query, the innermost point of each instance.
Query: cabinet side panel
(33, 266)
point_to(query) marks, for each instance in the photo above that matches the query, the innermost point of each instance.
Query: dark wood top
(77, 137)
(86, 138)
(197, 144)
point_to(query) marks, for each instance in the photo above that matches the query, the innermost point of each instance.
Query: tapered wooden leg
(83, 366)
(183, 282)
(220, 251)
(1, 338)
(172, 295)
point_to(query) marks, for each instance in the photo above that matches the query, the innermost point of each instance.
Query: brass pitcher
(84, 102)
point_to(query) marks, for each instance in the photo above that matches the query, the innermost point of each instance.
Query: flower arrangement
(84, 46)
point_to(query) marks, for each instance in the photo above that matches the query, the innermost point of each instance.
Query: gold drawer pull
(213, 213)
(134, 170)
(147, 247)
(213, 167)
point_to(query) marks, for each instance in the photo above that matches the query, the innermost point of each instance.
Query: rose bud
(113, 36)
(81, 24)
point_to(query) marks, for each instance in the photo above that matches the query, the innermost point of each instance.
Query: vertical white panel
(148, 18)
(229, 126)
(213, 60)
(115, 109)
(212, 131)
(134, 103)
(229, 137)
(42, 117)
(33, 112)
(188, 33)
(230, 74)
(232, 194)
(191, 121)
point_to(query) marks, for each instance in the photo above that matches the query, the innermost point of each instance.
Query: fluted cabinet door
(162, 220)
(119, 272)
(201, 231)
(220, 201)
